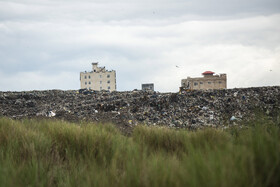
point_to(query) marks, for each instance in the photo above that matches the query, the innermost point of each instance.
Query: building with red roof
(209, 81)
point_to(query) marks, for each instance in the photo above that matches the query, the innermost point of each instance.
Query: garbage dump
(192, 109)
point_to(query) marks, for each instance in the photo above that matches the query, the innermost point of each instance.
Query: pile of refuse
(192, 109)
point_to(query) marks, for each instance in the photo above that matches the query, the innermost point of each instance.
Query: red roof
(208, 73)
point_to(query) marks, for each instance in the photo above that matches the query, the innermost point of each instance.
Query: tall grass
(58, 153)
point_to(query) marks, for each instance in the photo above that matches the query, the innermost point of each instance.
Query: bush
(58, 153)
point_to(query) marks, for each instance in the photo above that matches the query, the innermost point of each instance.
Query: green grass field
(58, 153)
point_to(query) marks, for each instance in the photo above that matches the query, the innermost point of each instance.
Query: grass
(58, 153)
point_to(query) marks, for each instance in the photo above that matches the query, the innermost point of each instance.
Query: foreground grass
(57, 153)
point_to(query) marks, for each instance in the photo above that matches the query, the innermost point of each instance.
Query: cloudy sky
(45, 44)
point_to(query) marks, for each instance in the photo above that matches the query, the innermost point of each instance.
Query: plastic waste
(233, 118)
(51, 114)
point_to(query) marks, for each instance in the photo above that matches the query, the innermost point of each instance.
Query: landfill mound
(192, 109)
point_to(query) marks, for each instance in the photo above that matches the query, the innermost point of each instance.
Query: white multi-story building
(98, 79)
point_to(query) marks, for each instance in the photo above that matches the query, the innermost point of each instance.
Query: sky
(45, 44)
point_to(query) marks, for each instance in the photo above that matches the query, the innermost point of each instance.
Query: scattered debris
(233, 118)
(51, 114)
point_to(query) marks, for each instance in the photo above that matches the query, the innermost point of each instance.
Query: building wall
(205, 83)
(148, 87)
(98, 79)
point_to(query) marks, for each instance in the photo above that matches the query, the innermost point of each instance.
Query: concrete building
(98, 79)
(148, 87)
(208, 81)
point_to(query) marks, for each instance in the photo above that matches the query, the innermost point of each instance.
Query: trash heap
(193, 109)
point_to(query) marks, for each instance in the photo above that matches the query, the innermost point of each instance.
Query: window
(108, 76)
(109, 88)
(108, 82)
(220, 82)
(89, 76)
(201, 82)
(85, 77)
(85, 83)
(100, 82)
(94, 70)
(89, 82)
(100, 76)
(195, 84)
(209, 82)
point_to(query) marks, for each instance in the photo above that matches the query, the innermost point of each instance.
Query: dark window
(201, 82)
(195, 83)
(85, 76)
(108, 82)
(108, 87)
(85, 83)
(89, 82)
(209, 82)
(108, 76)
(89, 76)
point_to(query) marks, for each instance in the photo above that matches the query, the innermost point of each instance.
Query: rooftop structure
(208, 73)
(148, 87)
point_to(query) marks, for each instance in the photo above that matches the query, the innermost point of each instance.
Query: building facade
(148, 87)
(98, 79)
(207, 82)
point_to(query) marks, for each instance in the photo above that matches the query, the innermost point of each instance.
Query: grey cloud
(132, 10)
(47, 43)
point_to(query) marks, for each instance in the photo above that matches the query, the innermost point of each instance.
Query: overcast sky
(45, 44)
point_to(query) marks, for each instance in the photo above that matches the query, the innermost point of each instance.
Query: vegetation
(58, 153)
